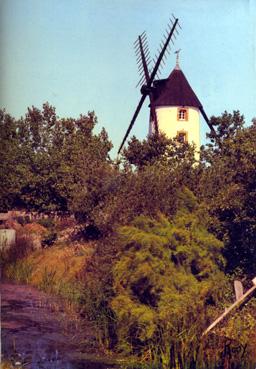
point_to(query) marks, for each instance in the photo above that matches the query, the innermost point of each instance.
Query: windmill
(149, 81)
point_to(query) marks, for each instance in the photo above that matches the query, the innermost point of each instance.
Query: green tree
(158, 149)
(53, 164)
(164, 304)
(13, 163)
(146, 182)
(148, 191)
(225, 126)
(227, 184)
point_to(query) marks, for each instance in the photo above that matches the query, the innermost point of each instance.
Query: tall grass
(48, 280)
(52, 270)
(20, 271)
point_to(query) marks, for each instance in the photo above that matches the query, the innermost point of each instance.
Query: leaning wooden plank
(227, 311)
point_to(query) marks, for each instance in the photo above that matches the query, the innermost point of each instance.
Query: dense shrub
(227, 185)
(164, 304)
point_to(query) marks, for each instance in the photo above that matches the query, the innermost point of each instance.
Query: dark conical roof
(175, 91)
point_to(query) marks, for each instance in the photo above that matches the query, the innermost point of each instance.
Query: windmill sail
(145, 64)
(148, 78)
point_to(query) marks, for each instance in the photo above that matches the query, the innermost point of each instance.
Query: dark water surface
(40, 334)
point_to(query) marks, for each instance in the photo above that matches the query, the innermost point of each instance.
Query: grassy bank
(54, 270)
(155, 314)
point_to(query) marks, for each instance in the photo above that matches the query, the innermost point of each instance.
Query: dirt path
(37, 332)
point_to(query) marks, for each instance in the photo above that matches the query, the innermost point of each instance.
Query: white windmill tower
(177, 108)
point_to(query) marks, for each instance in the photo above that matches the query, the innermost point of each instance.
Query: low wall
(7, 238)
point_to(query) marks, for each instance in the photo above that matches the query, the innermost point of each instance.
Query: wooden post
(238, 289)
(227, 311)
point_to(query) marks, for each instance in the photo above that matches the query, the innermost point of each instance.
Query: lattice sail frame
(148, 73)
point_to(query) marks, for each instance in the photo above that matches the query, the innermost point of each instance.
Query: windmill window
(182, 136)
(182, 114)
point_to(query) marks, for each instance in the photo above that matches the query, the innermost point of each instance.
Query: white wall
(167, 118)
(7, 238)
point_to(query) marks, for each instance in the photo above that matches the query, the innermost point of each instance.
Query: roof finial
(177, 52)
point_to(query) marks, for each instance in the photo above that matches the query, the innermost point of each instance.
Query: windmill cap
(175, 91)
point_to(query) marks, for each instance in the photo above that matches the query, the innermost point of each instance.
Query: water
(38, 333)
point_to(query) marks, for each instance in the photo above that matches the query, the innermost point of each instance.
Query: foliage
(146, 182)
(158, 148)
(53, 270)
(225, 126)
(232, 343)
(66, 168)
(97, 281)
(228, 187)
(165, 303)
(19, 271)
(148, 191)
(155, 280)
(49, 239)
(13, 168)
(48, 280)
(52, 164)
(48, 222)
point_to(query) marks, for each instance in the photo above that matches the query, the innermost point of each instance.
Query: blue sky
(78, 55)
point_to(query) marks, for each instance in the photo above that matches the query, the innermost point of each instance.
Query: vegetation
(51, 164)
(9, 365)
(228, 187)
(54, 270)
(162, 304)
(164, 237)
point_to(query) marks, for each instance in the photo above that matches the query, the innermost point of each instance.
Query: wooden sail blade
(209, 124)
(143, 58)
(153, 114)
(162, 53)
(143, 97)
